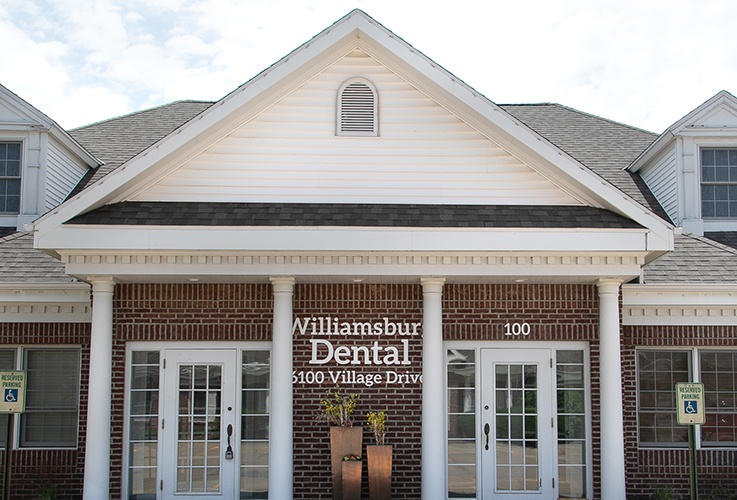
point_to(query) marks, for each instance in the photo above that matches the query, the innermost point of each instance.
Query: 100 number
(516, 329)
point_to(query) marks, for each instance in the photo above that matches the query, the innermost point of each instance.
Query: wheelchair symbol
(690, 407)
(10, 396)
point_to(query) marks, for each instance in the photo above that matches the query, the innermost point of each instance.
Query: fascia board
(679, 294)
(44, 292)
(69, 239)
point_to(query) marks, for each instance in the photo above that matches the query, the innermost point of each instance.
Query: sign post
(12, 401)
(690, 404)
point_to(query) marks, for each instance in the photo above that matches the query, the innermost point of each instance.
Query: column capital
(432, 284)
(607, 286)
(282, 284)
(102, 283)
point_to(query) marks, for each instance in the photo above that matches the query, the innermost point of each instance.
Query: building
(357, 216)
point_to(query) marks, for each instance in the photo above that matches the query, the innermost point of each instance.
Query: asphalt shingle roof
(695, 259)
(605, 146)
(21, 263)
(117, 140)
(349, 214)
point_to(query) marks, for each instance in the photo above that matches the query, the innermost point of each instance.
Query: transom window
(719, 183)
(657, 373)
(10, 177)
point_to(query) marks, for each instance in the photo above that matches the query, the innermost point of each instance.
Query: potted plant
(352, 470)
(379, 458)
(345, 440)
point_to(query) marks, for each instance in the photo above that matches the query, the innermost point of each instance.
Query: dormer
(692, 167)
(39, 162)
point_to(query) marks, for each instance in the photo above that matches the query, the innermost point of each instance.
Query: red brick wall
(32, 469)
(470, 312)
(399, 303)
(650, 469)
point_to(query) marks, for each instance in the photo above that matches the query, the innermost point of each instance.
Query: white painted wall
(424, 154)
(63, 173)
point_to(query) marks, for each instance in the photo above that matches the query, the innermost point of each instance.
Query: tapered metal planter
(380, 472)
(352, 471)
(344, 441)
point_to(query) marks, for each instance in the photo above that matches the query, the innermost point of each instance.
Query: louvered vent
(357, 108)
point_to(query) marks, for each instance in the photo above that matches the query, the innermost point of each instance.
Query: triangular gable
(17, 114)
(717, 115)
(357, 30)
(424, 154)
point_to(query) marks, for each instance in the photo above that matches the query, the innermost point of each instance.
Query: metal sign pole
(692, 459)
(8, 457)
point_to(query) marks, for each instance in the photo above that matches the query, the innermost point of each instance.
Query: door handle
(486, 431)
(229, 450)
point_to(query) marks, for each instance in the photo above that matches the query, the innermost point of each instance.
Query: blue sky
(642, 62)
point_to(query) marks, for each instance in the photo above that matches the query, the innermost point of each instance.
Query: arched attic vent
(358, 109)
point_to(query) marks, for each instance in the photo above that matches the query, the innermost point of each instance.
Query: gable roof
(28, 116)
(359, 30)
(689, 123)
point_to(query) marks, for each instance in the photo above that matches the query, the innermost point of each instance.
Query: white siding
(62, 174)
(661, 178)
(290, 152)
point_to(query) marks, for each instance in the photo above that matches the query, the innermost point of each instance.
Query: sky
(646, 63)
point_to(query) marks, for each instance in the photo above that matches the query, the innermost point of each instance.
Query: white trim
(679, 304)
(45, 303)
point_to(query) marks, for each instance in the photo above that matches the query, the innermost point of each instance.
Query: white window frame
(701, 150)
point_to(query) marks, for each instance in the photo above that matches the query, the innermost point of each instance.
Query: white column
(433, 391)
(97, 439)
(612, 427)
(281, 428)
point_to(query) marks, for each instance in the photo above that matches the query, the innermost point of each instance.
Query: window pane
(719, 376)
(255, 394)
(719, 183)
(658, 371)
(50, 419)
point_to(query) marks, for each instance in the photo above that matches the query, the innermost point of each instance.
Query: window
(719, 183)
(10, 177)
(461, 423)
(358, 106)
(52, 396)
(658, 371)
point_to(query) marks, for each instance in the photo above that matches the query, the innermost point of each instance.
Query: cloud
(646, 64)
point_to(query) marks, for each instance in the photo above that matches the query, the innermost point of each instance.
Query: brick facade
(240, 312)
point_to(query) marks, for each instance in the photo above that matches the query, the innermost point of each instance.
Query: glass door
(200, 420)
(517, 434)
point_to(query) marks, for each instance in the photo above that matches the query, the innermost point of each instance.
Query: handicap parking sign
(690, 403)
(12, 392)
